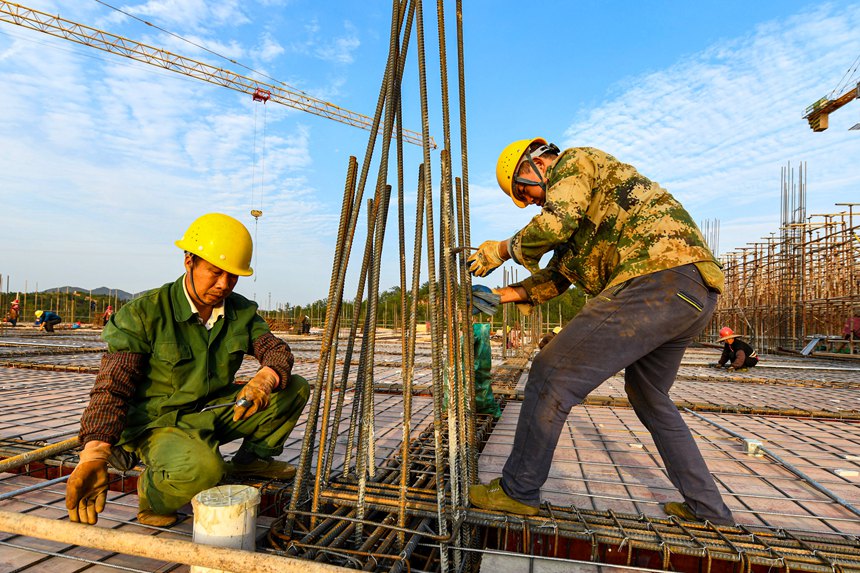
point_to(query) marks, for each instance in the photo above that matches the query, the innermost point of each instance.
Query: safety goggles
(528, 157)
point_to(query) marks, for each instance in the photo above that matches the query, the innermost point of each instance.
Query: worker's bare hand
(257, 391)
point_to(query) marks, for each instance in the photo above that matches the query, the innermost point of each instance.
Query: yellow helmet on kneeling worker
(220, 240)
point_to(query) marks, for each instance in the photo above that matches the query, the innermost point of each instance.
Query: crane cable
(846, 79)
(260, 95)
(257, 210)
(204, 48)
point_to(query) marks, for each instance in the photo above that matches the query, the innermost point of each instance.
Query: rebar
(328, 347)
(409, 357)
(38, 454)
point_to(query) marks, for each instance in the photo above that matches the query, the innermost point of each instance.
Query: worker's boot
(493, 497)
(245, 463)
(145, 514)
(681, 510)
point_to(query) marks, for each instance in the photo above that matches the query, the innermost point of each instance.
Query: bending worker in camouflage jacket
(171, 353)
(653, 283)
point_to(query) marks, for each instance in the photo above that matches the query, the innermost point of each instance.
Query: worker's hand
(525, 308)
(257, 391)
(86, 490)
(485, 259)
(484, 300)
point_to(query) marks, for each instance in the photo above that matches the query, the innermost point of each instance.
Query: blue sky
(106, 161)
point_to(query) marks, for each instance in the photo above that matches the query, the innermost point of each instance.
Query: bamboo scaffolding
(798, 284)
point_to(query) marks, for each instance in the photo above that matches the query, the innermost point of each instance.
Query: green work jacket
(188, 365)
(605, 224)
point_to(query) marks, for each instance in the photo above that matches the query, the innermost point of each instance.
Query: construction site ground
(781, 440)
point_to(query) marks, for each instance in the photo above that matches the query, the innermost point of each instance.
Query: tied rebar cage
(441, 460)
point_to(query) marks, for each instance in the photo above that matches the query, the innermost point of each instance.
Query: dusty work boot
(247, 464)
(492, 496)
(145, 514)
(681, 510)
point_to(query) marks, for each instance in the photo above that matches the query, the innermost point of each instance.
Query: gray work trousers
(643, 326)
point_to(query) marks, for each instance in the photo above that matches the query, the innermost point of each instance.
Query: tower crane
(261, 91)
(819, 112)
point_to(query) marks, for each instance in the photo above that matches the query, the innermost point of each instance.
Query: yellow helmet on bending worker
(510, 160)
(220, 240)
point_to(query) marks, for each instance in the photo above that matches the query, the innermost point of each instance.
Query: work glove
(525, 308)
(484, 300)
(485, 259)
(86, 490)
(257, 391)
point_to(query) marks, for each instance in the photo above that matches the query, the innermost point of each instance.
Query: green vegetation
(557, 311)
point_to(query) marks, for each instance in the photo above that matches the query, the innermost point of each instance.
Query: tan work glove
(257, 391)
(525, 308)
(485, 259)
(86, 490)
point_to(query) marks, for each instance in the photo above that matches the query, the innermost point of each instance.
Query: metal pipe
(34, 487)
(38, 454)
(161, 548)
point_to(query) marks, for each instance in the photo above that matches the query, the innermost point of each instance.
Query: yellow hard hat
(507, 165)
(220, 240)
(39, 313)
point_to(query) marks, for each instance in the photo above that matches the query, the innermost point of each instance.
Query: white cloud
(118, 157)
(321, 44)
(191, 14)
(269, 48)
(716, 128)
(340, 49)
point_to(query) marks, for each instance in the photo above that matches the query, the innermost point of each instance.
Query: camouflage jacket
(605, 224)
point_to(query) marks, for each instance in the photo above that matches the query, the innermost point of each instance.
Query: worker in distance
(172, 354)
(653, 285)
(737, 354)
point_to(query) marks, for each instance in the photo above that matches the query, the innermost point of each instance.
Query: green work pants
(184, 460)
(482, 354)
(485, 403)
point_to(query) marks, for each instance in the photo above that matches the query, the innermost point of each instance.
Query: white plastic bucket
(225, 516)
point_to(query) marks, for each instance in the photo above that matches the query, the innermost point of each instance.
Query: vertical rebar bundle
(453, 455)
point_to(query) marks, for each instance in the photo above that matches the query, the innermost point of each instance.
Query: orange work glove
(257, 391)
(86, 490)
(485, 259)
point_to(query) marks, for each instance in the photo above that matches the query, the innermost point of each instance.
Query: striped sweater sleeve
(104, 417)
(273, 352)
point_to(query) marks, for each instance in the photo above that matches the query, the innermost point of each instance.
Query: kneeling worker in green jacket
(171, 353)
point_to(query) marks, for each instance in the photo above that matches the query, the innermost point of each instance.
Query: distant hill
(101, 291)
